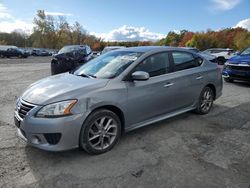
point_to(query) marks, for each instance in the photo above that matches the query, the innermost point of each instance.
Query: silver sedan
(114, 93)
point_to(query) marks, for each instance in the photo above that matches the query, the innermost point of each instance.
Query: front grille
(240, 68)
(23, 108)
(53, 138)
(239, 76)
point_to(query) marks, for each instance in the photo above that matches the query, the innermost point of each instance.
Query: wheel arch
(213, 88)
(114, 109)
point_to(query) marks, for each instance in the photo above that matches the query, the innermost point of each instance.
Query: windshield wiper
(87, 75)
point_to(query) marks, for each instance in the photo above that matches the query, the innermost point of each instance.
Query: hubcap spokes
(102, 132)
(207, 100)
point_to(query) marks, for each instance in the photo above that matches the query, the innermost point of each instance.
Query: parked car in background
(110, 48)
(26, 50)
(70, 57)
(36, 52)
(238, 67)
(5, 47)
(41, 52)
(13, 51)
(114, 93)
(45, 52)
(222, 54)
(53, 52)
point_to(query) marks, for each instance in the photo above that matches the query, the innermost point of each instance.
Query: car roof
(219, 49)
(189, 48)
(144, 49)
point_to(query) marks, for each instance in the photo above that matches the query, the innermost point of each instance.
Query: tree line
(235, 38)
(54, 32)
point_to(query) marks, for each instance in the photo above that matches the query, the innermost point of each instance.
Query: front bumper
(236, 75)
(51, 134)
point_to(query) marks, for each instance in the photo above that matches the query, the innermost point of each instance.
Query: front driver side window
(155, 65)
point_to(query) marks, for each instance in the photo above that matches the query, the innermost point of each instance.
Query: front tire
(100, 132)
(205, 101)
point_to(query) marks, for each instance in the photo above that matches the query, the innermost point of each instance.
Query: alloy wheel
(207, 100)
(103, 132)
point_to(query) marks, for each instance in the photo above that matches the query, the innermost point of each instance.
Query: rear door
(188, 77)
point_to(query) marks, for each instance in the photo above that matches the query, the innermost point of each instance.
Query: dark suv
(13, 52)
(70, 57)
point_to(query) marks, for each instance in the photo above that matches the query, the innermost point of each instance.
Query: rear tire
(100, 132)
(205, 101)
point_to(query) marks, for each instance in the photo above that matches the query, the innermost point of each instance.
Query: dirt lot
(185, 151)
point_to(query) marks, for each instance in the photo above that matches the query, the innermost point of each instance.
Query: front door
(150, 98)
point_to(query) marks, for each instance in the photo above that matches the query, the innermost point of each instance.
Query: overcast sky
(130, 19)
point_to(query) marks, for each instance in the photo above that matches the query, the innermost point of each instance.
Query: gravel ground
(186, 151)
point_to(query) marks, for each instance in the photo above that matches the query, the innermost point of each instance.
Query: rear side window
(183, 60)
(155, 65)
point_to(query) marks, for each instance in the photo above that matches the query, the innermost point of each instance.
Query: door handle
(199, 77)
(168, 84)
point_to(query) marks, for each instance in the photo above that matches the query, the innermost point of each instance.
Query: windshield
(246, 51)
(109, 65)
(67, 49)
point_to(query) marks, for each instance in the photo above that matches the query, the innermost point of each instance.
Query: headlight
(56, 109)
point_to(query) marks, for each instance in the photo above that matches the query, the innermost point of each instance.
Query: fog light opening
(35, 140)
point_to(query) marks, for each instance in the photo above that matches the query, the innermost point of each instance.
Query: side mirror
(140, 76)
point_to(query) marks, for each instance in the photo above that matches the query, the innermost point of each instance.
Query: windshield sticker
(129, 57)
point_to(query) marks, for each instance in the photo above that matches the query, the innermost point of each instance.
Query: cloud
(130, 33)
(244, 24)
(16, 25)
(57, 14)
(4, 13)
(9, 23)
(225, 4)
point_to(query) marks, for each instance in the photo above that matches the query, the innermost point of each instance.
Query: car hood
(60, 87)
(240, 59)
